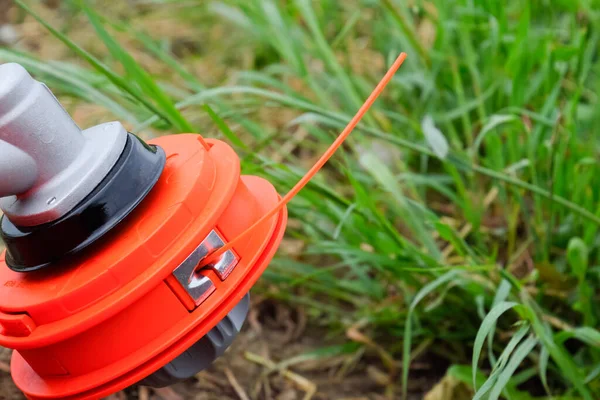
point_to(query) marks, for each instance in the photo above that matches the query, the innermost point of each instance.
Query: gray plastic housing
(47, 164)
(204, 352)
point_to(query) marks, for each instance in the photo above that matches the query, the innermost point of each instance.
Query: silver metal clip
(200, 287)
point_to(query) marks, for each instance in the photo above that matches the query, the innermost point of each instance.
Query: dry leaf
(449, 388)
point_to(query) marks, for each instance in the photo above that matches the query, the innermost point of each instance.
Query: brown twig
(144, 393)
(356, 335)
(557, 322)
(236, 385)
(309, 387)
(4, 367)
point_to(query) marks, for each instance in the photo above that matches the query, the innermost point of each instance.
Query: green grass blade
(426, 290)
(501, 295)
(138, 74)
(224, 128)
(386, 179)
(486, 327)
(350, 92)
(515, 361)
(561, 357)
(502, 362)
(543, 366)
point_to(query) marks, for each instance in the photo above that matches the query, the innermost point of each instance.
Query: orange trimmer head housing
(113, 291)
(126, 262)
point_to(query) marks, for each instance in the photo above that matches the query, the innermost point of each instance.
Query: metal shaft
(18, 171)
(47, 164)
(32, 120)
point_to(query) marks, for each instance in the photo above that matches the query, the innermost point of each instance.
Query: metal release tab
(200, 287)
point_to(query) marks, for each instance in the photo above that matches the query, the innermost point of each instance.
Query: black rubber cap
(130, 180)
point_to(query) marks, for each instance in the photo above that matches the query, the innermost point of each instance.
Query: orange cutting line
(322, 161)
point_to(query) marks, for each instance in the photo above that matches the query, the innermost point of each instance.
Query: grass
(461, 220)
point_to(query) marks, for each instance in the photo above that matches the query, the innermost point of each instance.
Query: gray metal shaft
(47, 164)
(18, 171)
(34, 121)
